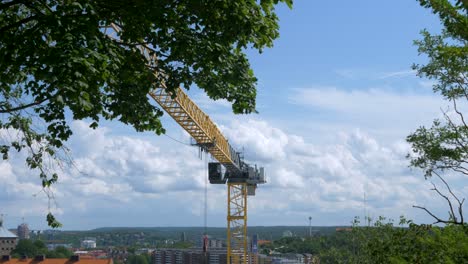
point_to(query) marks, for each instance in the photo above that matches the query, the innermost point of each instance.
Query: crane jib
(241, 178)
(187, 114)
(193, 120)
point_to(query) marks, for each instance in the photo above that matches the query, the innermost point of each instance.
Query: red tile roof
(263, 242)
(57, 261)
(344, 229)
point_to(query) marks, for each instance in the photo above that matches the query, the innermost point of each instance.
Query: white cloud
(268, 143)
(15, 187)
(427, 84)
(372, 74)
(365, 102)
(106, 168)
(134, 165)
(331, 178)
(397, 74)
(204, 102)
(390, 115)
(126, 173)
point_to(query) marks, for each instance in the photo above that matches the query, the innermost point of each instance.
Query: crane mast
(240, 177)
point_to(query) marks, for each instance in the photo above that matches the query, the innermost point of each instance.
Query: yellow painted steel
(193, 120)
(237, 223)
(198, 124)
(189, 116)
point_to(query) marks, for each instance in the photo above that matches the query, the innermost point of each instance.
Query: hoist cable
(178, 140)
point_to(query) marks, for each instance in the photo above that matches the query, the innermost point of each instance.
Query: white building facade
(8, 240)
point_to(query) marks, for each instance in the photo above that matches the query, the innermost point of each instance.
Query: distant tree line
(139, 259)
(382, 242)
(30, 248)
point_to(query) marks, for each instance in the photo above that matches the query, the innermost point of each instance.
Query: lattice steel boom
(242, 179)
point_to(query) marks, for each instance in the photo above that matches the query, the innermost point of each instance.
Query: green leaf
(52, 222)
(63, 59)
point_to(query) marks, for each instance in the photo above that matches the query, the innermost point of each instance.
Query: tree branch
(8, 4)
(32, 6)
(453, 219)
(460, 169)
(18, 23)
(460, 210)
(448, 187)
(455, 166)
(431, 214)
(46, 6)
(457, 139)
(452, 213)
(466, 81)
(21, 107)
(459, 113)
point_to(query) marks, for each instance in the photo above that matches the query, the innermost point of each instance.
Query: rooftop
(56, 261)
(4, 233)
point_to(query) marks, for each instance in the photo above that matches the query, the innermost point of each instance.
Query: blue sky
(336, 96)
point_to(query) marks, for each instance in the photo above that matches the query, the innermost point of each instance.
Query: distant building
(254, 244)
(96, 254)
(189, 256)
(140, 251)
(81, 252)
(215, 243)
(88, 243)
(23, 231)
(287, 233)
(288, 258)
(8, 240)
(53, 246)
(183, 237)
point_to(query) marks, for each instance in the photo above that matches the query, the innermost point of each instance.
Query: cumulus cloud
(268, 143)
(122, 164)
(116, 173)
(106, 167)
(330, 178)
(13, 187)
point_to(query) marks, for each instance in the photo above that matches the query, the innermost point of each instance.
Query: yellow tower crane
(240, 177)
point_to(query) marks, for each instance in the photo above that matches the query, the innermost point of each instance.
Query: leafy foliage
(139, 259)
(52, 222)
(443, 148)
(26, 247)
(58, 61)
(30, 248)
(383, 242)
(59, 252)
